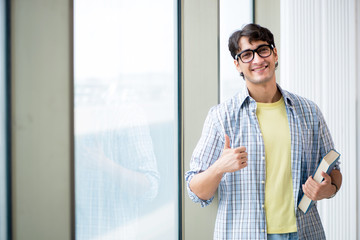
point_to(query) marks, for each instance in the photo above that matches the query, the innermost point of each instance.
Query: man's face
(259, 70)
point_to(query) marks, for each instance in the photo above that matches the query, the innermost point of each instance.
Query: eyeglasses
(248, 54)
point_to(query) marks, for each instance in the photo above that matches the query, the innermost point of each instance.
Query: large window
(234, 14)
(126, 154)
(3, 148)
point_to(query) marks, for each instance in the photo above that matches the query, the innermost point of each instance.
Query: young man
(258, 150)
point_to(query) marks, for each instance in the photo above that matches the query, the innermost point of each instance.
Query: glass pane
(3, 177)
(234, 14)
(126, 154)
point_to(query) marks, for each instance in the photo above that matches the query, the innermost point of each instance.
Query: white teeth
(259, 69)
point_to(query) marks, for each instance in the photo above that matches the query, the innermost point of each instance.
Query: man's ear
(275, 54)
(237, 65)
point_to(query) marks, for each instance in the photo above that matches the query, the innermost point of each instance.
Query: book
(326, 165)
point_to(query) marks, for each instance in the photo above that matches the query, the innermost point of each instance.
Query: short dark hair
(254, 32)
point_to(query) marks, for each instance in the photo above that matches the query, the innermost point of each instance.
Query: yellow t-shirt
(279, 200)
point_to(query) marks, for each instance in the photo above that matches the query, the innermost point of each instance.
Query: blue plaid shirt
(242, 193)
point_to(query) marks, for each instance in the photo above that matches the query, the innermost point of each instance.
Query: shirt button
(263, 182)
(262, 230)
(262, 158)
(262, 206)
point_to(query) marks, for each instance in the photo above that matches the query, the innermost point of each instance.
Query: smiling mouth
(259, 69)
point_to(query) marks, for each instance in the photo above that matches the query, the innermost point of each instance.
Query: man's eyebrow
(240, 50)
(252, 48)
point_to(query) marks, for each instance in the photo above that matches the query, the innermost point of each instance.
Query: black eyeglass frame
(271, 46)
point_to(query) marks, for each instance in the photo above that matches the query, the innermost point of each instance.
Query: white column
(42, 157)
(200, 92)
(318, 61)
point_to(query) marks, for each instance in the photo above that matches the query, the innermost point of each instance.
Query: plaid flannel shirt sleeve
(326, 142)
(207, 151)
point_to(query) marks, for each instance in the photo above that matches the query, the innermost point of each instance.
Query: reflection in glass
(234, 14)
(125, 120)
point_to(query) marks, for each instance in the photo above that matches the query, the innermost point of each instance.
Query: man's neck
(264, 93)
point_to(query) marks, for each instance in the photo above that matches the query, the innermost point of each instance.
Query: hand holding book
(319, 185)
(317, 191)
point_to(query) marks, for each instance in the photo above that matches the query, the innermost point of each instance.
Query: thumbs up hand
(231, 159)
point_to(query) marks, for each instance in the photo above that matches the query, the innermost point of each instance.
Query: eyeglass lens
(262, 51)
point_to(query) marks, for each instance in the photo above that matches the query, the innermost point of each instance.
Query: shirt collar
(287, 97)
(244, 96)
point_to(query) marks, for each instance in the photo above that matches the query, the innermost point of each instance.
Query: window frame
(6, 122)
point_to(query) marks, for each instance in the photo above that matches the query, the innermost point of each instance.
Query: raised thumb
(227, 142)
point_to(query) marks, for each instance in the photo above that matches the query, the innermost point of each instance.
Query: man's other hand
(317, 191)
